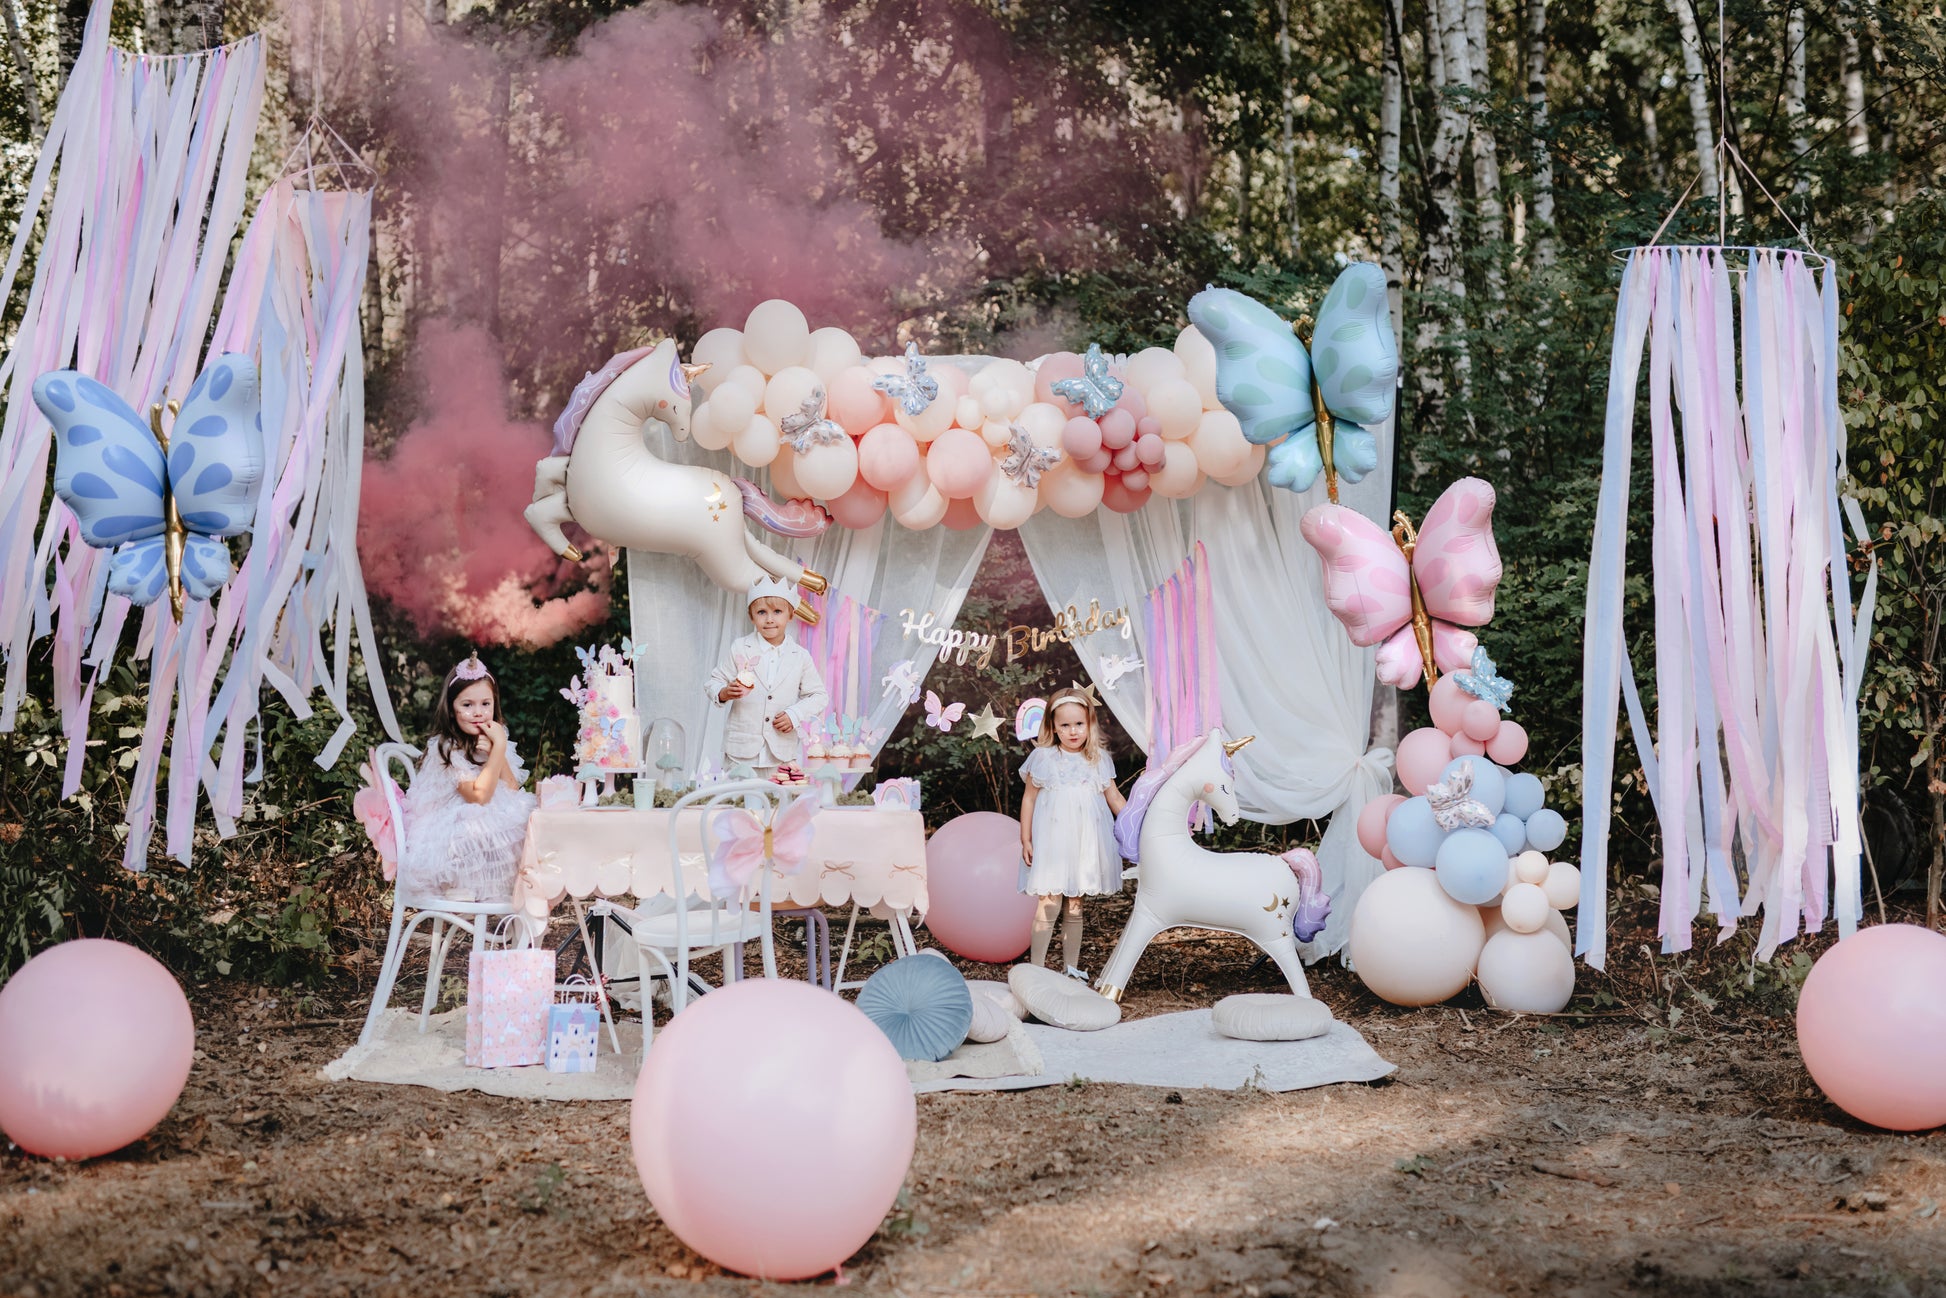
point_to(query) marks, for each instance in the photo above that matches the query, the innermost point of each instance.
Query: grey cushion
(921, 1005)
(1001, 995)
(1266, 1016)
(1061, 1000)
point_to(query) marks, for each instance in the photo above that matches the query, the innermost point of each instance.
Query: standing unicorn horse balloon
(1184, 884)
(603, 477)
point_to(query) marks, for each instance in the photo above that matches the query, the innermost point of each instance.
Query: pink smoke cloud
(440, 528)
(662, 172)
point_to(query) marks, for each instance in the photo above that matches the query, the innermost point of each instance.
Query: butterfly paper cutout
(808, 427)
(942, 717)
(902, 681)
(1274, 386)
(1453, 804)
(1096, 391)
(1368, 581)
(162, 501)
(916, 389)
(1484, 683)
(1025, 462)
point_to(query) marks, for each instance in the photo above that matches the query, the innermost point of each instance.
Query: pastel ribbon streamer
(1758, 655)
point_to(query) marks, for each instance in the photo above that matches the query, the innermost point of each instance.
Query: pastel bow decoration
(373, 812)
(537, 886)
(744, 843)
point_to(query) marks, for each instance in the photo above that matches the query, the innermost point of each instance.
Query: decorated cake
(610, 734)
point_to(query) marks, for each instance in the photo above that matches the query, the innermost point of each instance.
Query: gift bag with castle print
(573, 1027)
(508, 994)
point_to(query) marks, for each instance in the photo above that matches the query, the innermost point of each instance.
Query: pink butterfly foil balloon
(1414, 608)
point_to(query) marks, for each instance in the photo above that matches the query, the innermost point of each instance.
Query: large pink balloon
(854, 402)
(959, 462)
(1371, 822)
(1054, 368)
(1447, 703)
(973, 880)
(1871, 1025)
(762, 1066)
(1422, 758)
(1509, 745)
(859, 507)
(96, 1041)
(1081, 437)
(887, 457)
(1122, 498)
(961, 516)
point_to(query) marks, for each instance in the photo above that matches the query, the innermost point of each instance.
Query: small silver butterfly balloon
(1453, 805)
(1096, 391)
(808, 427)
(1484, 683)
(915, 389)
(1025, 461)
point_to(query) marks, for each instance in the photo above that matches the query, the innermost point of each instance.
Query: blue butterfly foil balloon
(163, 501)
(1274, 386)
(1096, 391)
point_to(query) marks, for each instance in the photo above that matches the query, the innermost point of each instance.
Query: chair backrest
(407, 758)
(760, 798)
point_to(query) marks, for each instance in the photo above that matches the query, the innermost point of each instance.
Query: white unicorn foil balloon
(1184, 884)
(603, 477)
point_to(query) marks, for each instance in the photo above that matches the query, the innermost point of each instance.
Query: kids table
(860, 856)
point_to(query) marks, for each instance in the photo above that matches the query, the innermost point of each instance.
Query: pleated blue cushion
(922, 1004)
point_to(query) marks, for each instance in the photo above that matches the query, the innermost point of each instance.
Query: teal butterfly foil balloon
(1314, 408)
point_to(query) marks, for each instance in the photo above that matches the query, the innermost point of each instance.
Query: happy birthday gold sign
(1070, 624)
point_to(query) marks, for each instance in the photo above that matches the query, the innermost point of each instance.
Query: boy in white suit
(771, 685)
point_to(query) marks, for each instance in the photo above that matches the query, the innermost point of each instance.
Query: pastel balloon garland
(931, 443)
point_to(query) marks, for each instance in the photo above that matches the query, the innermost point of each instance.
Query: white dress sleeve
(1034, 771)
(1105, 770)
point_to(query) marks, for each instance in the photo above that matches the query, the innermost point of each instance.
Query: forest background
(556, 181)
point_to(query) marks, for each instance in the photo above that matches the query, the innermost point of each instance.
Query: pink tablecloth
(865, 855)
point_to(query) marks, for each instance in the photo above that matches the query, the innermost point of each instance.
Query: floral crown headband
(471, 670)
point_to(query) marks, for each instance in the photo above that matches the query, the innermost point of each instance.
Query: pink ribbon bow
(743, 843)
(369, 805)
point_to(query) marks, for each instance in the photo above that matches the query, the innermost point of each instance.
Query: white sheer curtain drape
(688, 622)
(1287, 672)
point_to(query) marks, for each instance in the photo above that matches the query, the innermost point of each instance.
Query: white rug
(1184, 1052)
(400, 1056)
(1181, 1051)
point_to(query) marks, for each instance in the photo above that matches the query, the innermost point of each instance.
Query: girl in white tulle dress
(1067, 823)
(466, 813)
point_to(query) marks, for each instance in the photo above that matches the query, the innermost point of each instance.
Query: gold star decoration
(985, 724)
(1087, 692)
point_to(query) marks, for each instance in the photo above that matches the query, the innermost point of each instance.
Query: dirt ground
(1614, 1152)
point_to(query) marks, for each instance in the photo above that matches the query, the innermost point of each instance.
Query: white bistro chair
(670, 939)
(446, 918)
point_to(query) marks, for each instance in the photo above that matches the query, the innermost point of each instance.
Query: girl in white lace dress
(466, 813)
(1067, 823)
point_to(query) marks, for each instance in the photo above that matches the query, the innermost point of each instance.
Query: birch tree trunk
(29, 92)
(1390, 105)
(1699, 96)
(1291, 218)
(1486, 150)
(1794, 91)
(1443, 277)
(1542, 158)
(1857, 138)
